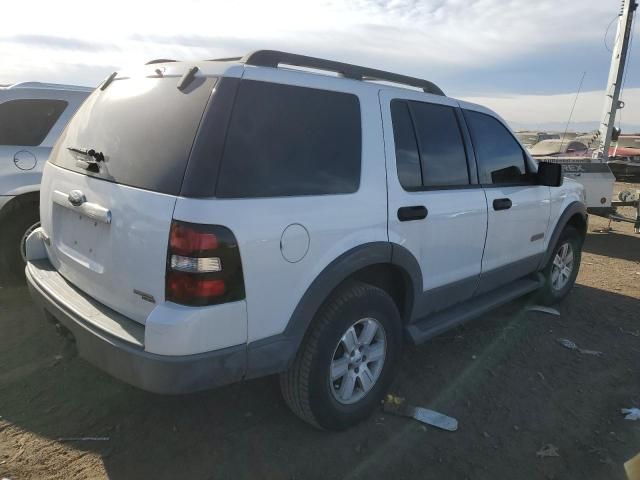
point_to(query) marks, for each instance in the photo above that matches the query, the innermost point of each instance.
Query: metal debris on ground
(566, 343)
(631, 413)
(398, 406)
(548, 450)
(83, 439)
(631, 332)
(542, 309)
(632, 467)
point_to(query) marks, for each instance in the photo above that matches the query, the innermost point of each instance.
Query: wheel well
(391, 279)
(578, 222)
(20, 201)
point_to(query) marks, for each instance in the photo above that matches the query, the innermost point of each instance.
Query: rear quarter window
(28, 122)
(287, 140)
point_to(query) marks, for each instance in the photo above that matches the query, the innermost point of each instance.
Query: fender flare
(572, 209)
(275, 354)
(24, 190)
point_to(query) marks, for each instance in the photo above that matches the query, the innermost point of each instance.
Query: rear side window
(407, 156)
(500, 158)
(286, 141)
(429, 146)
(27, 122)
(444, 161)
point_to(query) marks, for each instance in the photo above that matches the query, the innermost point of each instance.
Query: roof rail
(160, 60)
(226, 59)
(273, 58)
(49, 86)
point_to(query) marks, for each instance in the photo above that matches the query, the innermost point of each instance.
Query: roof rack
(160, 60)
(226, 59)
(273, 58)
(49, 86)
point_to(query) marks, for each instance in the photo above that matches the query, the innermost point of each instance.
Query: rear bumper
(121, 353)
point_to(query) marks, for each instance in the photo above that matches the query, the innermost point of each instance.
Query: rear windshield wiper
(89, 152)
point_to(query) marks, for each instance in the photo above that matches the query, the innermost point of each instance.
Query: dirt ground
(510, 384)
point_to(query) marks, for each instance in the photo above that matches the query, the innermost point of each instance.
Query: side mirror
(549, 174)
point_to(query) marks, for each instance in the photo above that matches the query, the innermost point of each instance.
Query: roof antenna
(575, 100)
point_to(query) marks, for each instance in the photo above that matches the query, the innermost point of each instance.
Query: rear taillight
(203, 265)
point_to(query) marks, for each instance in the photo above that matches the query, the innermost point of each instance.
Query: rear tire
(561, 271)
(16, 224)
(332, 384)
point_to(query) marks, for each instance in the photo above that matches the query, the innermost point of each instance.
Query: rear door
(110, 187)
(518, 208)
(436, 208)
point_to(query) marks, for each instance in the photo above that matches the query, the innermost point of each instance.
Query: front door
(518, 208)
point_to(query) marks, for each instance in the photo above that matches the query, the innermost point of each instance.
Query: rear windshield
(144, 127)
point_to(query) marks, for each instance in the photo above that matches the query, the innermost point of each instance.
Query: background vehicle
(234, 219)
(32, 116)
(559, 147)
(627, 141)
(529, 139)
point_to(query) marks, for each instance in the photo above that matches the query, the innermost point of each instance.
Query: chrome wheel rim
(357, 361)
(562, 267)
(23, 241)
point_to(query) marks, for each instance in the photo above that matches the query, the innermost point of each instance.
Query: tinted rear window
(27, 122)
(285, 141)
(145, 128)
(444, 161)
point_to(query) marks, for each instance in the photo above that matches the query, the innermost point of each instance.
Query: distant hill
(573, 127)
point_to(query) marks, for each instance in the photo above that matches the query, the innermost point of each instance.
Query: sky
(523, 58)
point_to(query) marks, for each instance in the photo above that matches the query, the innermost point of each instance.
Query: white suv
(32, 116)
(212, 222)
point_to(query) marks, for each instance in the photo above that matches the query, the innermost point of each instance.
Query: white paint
(109, 261)
(173, 329)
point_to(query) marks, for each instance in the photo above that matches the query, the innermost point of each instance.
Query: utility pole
(612, 95)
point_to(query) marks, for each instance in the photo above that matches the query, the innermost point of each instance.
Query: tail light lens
(203, 265)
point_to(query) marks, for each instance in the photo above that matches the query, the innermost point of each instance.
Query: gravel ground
(510, 384)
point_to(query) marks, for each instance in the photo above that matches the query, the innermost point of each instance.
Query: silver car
(32, 116)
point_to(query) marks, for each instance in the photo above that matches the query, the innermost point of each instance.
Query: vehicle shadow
(485, 374)
(613, 244)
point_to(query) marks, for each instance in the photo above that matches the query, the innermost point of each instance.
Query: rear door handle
(502, 204)
(407, 214)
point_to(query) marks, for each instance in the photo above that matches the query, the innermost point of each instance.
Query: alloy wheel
(357, 361)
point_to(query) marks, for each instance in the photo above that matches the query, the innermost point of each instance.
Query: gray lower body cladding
(130, 363)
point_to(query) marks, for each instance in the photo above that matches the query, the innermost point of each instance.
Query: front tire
(561, 271)
(347, 360)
